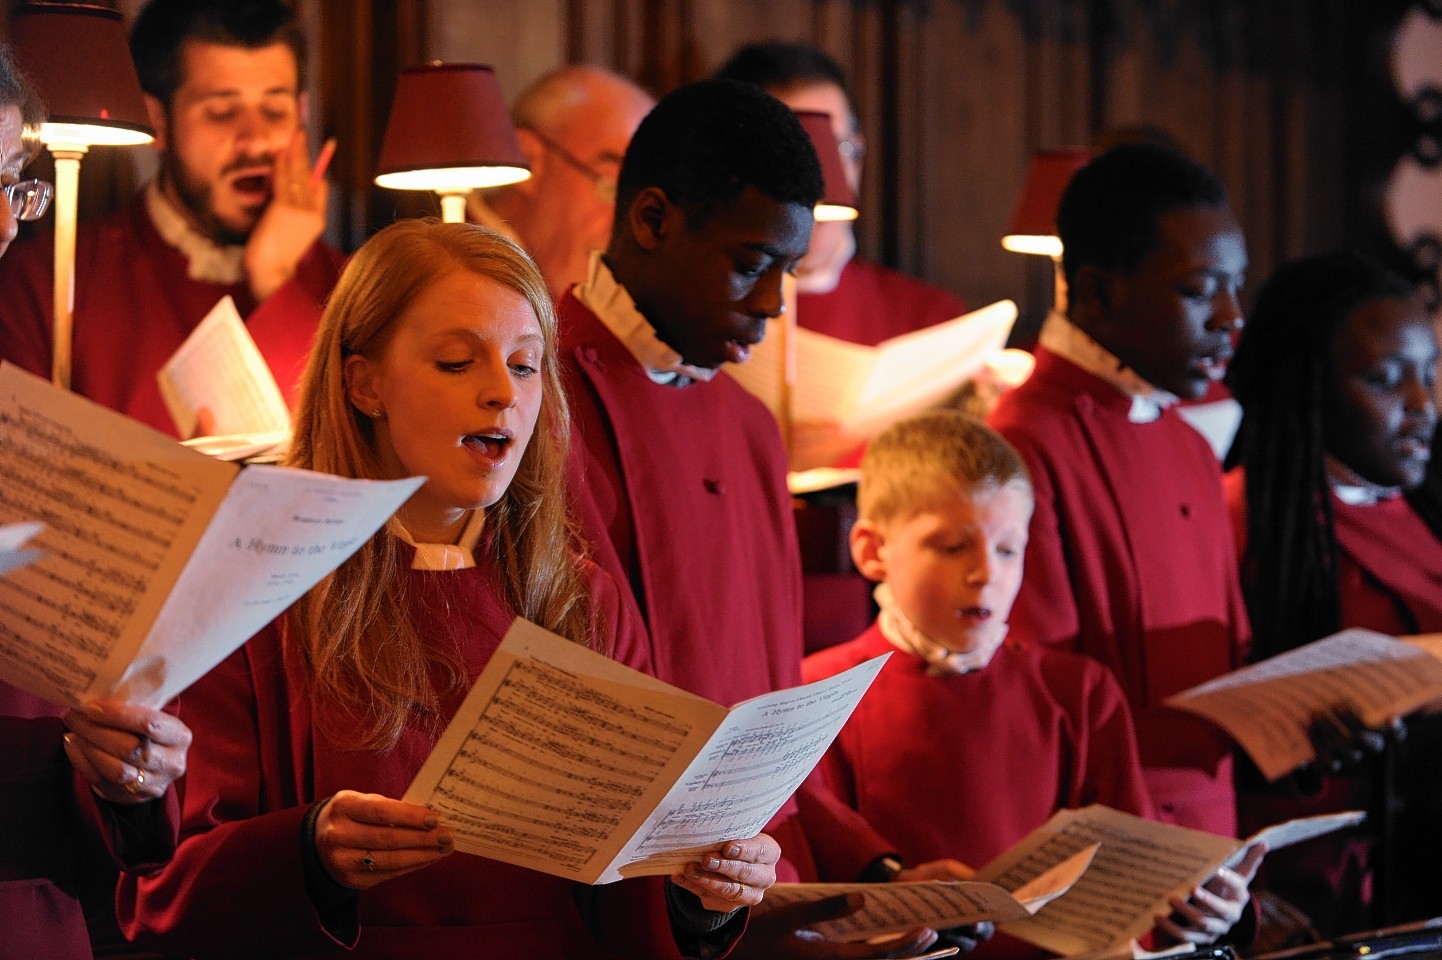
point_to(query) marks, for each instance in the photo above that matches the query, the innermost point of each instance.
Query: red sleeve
(25, 309)
(842, 842)
(236, 885)
(139, 842)
(284, 324)
(1112, 771)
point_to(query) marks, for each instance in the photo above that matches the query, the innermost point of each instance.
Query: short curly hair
(706, 142)
(1111, 212)
(163, 25)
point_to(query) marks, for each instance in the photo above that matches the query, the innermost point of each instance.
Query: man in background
(573, 125)
(237, 209)
(839, 294)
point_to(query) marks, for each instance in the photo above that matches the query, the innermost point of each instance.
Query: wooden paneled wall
(1284, 99)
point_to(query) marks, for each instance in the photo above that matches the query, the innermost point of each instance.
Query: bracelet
(883, 869)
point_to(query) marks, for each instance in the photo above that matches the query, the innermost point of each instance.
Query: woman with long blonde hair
(435, 357)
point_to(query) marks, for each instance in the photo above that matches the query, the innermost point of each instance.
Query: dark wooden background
(1290, 101)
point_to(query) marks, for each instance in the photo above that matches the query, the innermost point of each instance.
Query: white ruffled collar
(1071, 342)
(610, 302)
(906, 636)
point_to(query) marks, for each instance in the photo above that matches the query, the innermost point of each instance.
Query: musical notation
(557, 747)
(150, 572)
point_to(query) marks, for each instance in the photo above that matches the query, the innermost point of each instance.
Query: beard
(197, 197)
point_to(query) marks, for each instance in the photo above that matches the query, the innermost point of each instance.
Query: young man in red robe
(236, 209)
(679, 474)
(1131, 558)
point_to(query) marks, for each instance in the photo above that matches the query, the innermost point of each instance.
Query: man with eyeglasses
(573, 125)
(237, 209)
(839, 294)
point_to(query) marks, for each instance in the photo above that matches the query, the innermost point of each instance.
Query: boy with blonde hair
(967, 741)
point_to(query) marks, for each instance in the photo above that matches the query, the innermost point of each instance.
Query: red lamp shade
(839, 201)
(78, 60)
(449, 131)
(1033, 225)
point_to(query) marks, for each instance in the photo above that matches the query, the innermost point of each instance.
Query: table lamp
(1033, 225)
(77, 58)
(839, 200)
(449, 132)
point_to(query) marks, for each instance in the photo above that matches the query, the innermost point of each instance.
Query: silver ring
(368, 861)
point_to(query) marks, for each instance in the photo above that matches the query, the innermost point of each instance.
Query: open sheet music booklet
(1139, 866)
(1267, 707)
(158, 562)
(863, 390)
(892, 908)
(566, 762)
(1089, 880)
(219, 371)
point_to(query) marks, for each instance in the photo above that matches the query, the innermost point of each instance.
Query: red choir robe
(967, 765)
(134, 306)
(236, 886)
(681, 492)
(872, 303)
(61, 844)
(1130, 561)
(1389, 579)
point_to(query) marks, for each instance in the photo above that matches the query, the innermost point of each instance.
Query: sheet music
(560, 760)
(219, 369)
(757, 757)
(1288, 832)
(278, 531)
(147, 542)
(1267, 707)
(13, 553)
(1139, 865)
(861, 390)
(891, 908)
(921, 369)
(122, 506)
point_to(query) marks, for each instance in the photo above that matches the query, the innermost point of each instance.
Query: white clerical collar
(1352, 488)
(206, 260)
(446, 556)
(479, 211)
(1071, 342)
(610, 302)
(906, 636)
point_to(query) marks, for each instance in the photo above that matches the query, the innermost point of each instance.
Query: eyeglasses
(852, 148)
(29, 199)
(605, 186)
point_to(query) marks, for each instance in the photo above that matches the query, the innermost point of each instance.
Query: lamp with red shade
(76, 56)
(1033, 225)
(449, 132)
(839, 200)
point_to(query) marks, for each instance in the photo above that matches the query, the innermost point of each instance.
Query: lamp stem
(67, 196)
(453, 206)
(1059, 288)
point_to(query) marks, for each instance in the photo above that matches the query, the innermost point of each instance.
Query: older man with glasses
(838, 293)
(574, 124)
